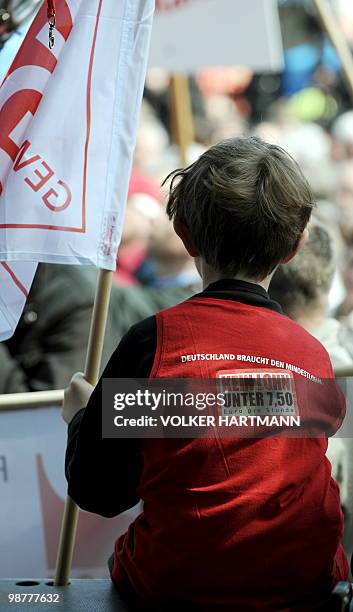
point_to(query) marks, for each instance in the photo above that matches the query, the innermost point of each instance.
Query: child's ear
(304, 237)
(181, 229)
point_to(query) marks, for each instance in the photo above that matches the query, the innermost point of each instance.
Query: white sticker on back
(257, 392)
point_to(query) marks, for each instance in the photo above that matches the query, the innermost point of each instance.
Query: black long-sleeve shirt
(103, 473)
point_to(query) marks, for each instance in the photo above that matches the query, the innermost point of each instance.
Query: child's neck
(211, 276)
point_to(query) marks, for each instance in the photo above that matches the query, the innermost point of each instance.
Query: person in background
(344, 311)
(141, 212)
(50, 341)
(344, 200)
(143, 207)
(310, 145)
(302, 287)
(152, 144)
(342, 134)
(170, 277)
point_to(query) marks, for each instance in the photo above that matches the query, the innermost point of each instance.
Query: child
(228, 524)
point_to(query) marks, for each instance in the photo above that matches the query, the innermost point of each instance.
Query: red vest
(234, 524)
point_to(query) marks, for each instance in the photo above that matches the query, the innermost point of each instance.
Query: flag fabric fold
(15, 280)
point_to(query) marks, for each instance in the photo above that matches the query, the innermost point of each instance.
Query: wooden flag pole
(335, 34)
(92, 367)
(182, 124)
(343, 372)
(31, 399)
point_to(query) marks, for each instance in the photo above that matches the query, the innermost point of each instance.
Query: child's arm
(103, 474)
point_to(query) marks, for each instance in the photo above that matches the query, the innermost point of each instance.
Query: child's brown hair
(245, 203)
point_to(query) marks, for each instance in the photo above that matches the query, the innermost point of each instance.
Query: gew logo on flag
(68, 125)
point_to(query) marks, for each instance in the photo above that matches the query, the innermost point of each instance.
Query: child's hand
(76, 396)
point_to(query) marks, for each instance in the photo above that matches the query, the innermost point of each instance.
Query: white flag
(68, 121)
(15, 281)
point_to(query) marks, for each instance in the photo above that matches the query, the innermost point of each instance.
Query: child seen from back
(228, 523)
